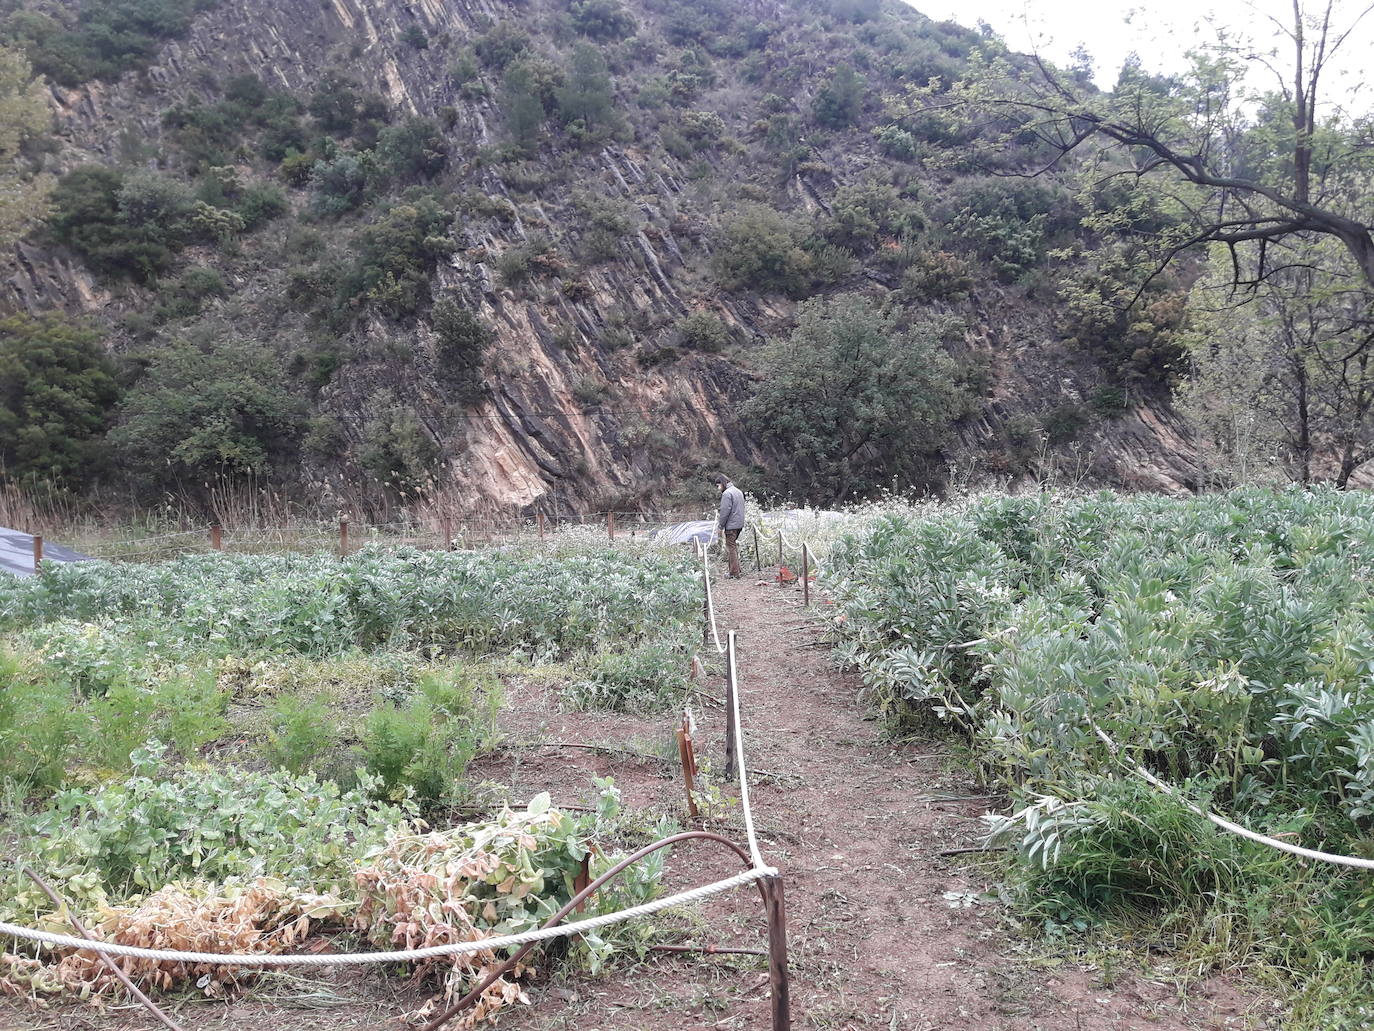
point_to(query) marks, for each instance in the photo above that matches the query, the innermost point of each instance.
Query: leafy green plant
(301, 735)
(650, 677)
(39, 728)
(423, 746)
(1221, 641)
(158, 826)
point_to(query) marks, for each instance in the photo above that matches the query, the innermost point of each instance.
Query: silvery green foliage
(536, 606)
(1227, 638)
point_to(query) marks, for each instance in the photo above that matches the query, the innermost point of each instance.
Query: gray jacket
(731, 508)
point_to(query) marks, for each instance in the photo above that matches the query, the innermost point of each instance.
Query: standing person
(731, 520)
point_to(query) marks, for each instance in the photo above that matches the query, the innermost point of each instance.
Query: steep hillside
(523, 255)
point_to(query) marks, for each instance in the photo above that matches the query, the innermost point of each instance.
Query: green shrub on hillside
(340, 108)
(100, 39)
(210, 134)
(861, 212)
(500, 45)
(57, 397)
(220, 408)
(585, 101)
(133, 225)
(839, 101)
(704, 331)
(342, 183)
(413, 149)
(186, 295)
(462, 344)
(399, 451)
(395, 255)
(602, 20)
(763, 249)
(853, 400)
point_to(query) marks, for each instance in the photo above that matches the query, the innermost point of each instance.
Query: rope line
(399, 955)
(710, 599)
(1228, 825)
(745, 807)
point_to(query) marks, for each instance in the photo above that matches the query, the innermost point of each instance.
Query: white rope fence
(1228, 825)
(397, 955)
(745, 807)
(710, 598)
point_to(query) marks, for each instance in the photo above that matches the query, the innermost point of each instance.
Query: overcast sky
(1160, 31)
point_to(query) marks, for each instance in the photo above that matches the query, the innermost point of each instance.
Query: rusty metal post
(688, 760)
(777, 955)
(780, 555)
(37, 553)
(541, 526)
(806, 575)
(216, 537)
(730, 688)
(758, 566)
(583, 878)
(343, 535)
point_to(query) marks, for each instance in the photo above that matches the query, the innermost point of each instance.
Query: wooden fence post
(610, 525)
(216, 537)
(806, 575)
(343, 536)
(446, 527)
(780, 995)
(37, 553)
(758, 566)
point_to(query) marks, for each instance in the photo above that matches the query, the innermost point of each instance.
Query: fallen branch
(972, 848)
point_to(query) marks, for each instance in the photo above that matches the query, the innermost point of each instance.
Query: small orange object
(786, 576)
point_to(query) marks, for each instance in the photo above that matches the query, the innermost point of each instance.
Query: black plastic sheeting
(16, 553)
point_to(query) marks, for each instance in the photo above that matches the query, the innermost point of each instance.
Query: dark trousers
(732, 552)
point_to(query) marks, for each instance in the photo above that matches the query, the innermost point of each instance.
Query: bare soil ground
(885, 933)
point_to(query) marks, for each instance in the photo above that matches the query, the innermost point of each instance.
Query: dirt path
(867, 888)
(885, 934)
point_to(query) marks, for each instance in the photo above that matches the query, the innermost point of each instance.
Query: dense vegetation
(1223, 643)
(173, 734)
(372, 266)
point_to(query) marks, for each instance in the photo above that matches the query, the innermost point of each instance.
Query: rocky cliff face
(591, 403)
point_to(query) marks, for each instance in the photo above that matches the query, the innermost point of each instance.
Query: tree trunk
(1302, 447)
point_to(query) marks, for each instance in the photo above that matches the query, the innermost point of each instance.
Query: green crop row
(1225, 642)
(467, 602)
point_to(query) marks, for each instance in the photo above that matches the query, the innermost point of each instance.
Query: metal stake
(806, 575)
(688, 759)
